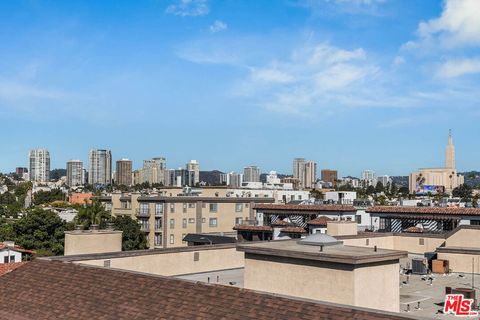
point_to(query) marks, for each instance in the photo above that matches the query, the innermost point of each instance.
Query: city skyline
(231, 86)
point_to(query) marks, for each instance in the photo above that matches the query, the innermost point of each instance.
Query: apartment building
(100, 167)
(39, 160)
(123, 173)
(75, 173)
(251, 174)
(167, 217)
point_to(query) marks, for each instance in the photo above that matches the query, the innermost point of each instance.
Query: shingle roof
(280, 223)
(15, 248)
(319, 221)
(306, 207)
(60, 290)
(8, 267)
(424, 210)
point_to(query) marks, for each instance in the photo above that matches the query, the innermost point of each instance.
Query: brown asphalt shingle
(61, 290)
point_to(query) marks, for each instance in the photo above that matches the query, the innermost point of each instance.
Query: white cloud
(218, 26)
(315, 76)
(186, 8)
(458, 25)
(457, 68)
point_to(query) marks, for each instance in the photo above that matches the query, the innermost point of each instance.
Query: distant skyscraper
(305, 171)
(385, 180)
(193, 167)
(232, 179)
(123, 172)
(251, 174)
(369, 178)
(100, 167)
(20, 171)
(75, 173)
(154, 171)
(329, 176)
(450, 152)
(39, 165)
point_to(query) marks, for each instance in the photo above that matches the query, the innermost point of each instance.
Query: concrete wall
(176, 262)
(341, 228)
(461, 262)
(373, 286)
(466, 238)
(376, 286)
(319, 281)
(412, 244)
(86, 241)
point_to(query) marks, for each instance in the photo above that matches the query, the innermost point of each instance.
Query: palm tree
(92, 214)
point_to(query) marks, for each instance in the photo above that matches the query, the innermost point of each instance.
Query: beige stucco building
(169, 215)
(92, 241)
(448, 177)
(321, 268)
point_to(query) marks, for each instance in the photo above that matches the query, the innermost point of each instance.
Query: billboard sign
(428, 188)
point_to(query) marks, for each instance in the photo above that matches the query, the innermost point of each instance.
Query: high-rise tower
(450, 152)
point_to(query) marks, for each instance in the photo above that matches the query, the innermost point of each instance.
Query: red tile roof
(293, 230)
(60, 290)
(7, 267)
(305, 207)
(413, 230)
(280, 223)
(15, 248)
(319, 221)
(424, 210)
(244, 227)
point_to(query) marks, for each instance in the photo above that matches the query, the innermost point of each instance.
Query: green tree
(317, 194)
(463, 191)
(370, 190)
(404, 192)
(39, 230)
(393, 189)
(132, 237)
(379, 187)
(44, 197)
(93, 213)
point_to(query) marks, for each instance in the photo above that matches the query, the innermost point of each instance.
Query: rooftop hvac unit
(419, 266)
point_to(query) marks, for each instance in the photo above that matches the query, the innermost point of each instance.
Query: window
(213, 207)
(172, 207)
(158, 239)
(475, 222)
(143, 208)
(184, 208)
(238, 220)
(183, 237)
(367, 242)
(106, 263)
(359, 219)
(238, 207)
(172, 239)
(158, 209)
(203, 220)
(191, 205)
(184, 223)
(421, 241)
(172, 223)
(158, 224)
(143, 224)
(5, 259)
(191, 220)
(299, 197)
(196, 256)
(213, 222)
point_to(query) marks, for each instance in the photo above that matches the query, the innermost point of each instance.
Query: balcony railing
(145, 228)
(158, 228)
(143, 212)
(158, 213)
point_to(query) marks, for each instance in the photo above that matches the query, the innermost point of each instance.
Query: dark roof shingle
(60, 290)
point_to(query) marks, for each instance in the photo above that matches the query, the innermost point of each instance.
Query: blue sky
(352, 84)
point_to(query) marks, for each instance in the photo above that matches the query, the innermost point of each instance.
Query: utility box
(419, 266)
(440, 266)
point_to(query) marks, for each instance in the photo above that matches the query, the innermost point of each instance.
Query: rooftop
(424, 210)
(306, 207)
(320, 221)
(46, 289)
(332, 253)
